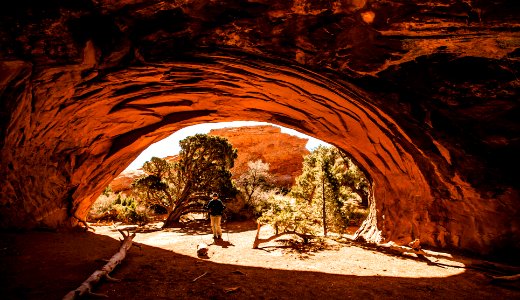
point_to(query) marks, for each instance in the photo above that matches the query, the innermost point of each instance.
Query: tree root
(86, 287)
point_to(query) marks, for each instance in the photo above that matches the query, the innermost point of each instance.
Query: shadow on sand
(44, 265)
(202, 227)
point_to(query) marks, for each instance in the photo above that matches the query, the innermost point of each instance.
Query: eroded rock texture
(423, 94)
(283, 152)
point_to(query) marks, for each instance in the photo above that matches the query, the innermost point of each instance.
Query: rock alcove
(423, 95)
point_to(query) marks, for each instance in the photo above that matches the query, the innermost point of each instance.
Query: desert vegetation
(330, 195)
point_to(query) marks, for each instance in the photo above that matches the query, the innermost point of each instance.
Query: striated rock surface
(423, 94)
(283, 152)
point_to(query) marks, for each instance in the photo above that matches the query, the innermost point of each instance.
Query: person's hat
(214, 195)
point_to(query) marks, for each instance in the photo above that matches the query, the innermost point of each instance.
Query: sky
(170, 145)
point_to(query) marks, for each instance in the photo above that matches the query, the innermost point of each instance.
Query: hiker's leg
(218, 228)
(213, 225)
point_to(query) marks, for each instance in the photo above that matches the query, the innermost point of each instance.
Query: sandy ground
(46, 265)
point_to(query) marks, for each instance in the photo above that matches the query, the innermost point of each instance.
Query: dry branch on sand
(505, 278)
(258, 240)
(86, 287)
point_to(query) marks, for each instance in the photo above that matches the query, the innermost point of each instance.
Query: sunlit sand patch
(333, 258)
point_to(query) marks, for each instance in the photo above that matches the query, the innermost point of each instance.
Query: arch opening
(273, 164)
(109, 118)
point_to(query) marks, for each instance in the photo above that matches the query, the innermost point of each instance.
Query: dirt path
(44, 265)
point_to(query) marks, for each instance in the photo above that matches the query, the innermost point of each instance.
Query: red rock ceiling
(423, 94)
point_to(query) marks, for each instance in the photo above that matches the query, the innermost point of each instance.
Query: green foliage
(202, 167)
(204, 163)
(129, 211)
(326, 195)
(285, 213)
(156, 189)
(355, 214)
(253, 182)
(330, 183)
(107, 191)
(125, 209)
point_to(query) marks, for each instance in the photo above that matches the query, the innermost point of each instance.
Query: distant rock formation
(123, 182)
(283, 152)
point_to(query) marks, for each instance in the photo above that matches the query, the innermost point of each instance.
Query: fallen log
(258, 240)
(86, 287)
(505, 278)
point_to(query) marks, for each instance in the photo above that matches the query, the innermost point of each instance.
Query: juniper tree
(202, 166)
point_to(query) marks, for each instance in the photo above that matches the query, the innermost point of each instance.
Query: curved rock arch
(101, 122)
(405, 91)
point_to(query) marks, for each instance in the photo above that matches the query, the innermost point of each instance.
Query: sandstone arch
(79, 108)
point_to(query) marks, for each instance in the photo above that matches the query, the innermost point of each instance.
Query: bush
(129, 211)
(125, 209)
(263, 201)
(284, 214)
(356, 215)
(102, 204)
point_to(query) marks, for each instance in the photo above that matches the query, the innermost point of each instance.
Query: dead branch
(137, 246)
(112, 279)
(205, 273)
(84, 223)
(505, 278)
(86, 287)
(258, 240)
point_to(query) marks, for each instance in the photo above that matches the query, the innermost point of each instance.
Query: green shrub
(126, 209)
(356, 215)
(284, 213)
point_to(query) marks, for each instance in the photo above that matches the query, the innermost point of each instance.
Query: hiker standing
(215, 208)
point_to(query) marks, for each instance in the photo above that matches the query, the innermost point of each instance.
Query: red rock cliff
(283, 152)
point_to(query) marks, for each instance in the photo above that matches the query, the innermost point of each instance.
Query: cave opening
(423, 95)
(107, 118)
(273, 162)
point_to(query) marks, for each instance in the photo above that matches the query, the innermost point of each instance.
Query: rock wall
(422, 94)
(282, 151)
(123, 182)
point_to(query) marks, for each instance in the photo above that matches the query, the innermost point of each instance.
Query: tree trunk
(324, 206)
(173, 217)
